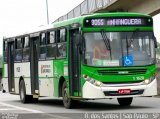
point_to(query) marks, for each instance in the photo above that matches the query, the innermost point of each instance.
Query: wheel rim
(66, 98)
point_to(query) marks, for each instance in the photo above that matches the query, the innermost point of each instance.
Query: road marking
(20, 108)
(6, 109)
(30, 110)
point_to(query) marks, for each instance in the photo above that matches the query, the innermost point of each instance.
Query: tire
(125, 101)
(3, 91)
(67, 101)
(22, 92)
(34, 100)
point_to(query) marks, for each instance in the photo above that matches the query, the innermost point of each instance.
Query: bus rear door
(11, 83)
(34, 65)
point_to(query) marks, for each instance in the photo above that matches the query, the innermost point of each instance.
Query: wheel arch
(20, 79)
(61, 80)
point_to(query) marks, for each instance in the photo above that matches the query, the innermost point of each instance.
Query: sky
(19, 16)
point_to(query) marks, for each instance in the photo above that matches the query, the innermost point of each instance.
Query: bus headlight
(92, 81)
(98, 83)
(148, 81)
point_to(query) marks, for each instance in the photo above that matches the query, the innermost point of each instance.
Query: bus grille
(122, 72)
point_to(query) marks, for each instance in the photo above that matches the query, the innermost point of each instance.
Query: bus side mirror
(78, 39)
(155, 41)
(79, 42)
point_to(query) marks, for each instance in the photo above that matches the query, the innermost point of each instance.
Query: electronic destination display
(118, 21)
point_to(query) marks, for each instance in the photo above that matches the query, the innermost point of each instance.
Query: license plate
(124, 91)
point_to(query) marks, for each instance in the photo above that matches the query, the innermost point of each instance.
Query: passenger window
(18, 50)
(5, 45)
(51, 37)
(62, 35)
(43, 39)
(61, 46)
(51, 51)
(61, 50)
(42, 49)
(5, 51)
(51, 46)
(58, 37)
(26, 49)
(18, 55)
(18, 43)
(26, 42)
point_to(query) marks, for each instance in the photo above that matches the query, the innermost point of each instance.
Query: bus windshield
(126, 49)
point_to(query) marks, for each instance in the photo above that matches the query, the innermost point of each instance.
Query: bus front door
(74, 64)
(11, 83)
(34, 65)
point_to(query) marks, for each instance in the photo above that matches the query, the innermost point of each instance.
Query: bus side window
(42, 49)
(51, 37)
(26, 49)
(51, 46)
(61, 46)
(5, 50)
(63, 35)
(58, 36)
(18, 50)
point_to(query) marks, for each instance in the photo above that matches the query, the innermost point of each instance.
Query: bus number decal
(138, 78)
(18, 69)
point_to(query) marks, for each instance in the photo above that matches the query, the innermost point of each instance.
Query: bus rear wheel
(67, 101)
(125, 101)
(22, 91)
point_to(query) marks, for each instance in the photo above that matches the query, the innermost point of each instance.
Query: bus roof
(75, 20)
(81, 18)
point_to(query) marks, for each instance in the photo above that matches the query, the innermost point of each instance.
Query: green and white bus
(97, 56)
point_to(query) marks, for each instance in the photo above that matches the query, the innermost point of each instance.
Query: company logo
(45, 69)
(123, 72)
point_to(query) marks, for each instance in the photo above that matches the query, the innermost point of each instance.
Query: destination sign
(100, 22)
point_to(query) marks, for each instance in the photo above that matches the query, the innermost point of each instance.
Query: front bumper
(90, 91)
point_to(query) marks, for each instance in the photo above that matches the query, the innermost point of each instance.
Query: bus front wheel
(125, 101)
(22, 91)
(67, 101)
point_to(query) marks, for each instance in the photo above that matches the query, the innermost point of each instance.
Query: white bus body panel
(46, 84)
(5, 84)
(91, 91)
(22, 69)
(5, 79)
(5, 70)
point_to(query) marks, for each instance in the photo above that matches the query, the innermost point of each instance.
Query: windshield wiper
(127, 45)
(132, 38)
(106, 40)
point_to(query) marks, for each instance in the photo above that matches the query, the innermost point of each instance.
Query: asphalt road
(49, 108)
